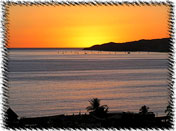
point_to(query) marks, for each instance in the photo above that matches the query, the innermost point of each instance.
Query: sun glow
(84, 26)
(88, 36)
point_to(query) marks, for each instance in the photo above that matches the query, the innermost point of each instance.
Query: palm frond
(89, 108)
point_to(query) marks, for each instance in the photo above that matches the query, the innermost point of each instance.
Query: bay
(62, 81)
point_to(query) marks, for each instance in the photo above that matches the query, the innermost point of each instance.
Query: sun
(88, 36)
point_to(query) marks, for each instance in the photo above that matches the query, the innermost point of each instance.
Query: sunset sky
(84, 26)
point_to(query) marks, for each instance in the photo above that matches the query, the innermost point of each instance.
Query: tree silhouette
(168, 111)
(144, 110)
(169, 114)
(96, 109)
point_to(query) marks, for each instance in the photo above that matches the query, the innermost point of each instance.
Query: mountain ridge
(153, 45)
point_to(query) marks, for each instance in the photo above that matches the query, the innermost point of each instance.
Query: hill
(154, 45)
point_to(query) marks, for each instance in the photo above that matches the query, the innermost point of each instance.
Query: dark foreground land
(154, 45)
(111, 120)
(98, 117)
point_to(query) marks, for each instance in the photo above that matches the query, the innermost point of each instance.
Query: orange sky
(84, 26)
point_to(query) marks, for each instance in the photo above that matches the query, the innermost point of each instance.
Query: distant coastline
(154, 45)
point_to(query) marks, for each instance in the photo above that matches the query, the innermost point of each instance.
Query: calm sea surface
(52, 82)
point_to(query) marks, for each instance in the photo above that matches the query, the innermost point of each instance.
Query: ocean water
(52, 82)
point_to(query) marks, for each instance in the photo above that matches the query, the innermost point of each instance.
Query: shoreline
(117, 120)
(86, 113)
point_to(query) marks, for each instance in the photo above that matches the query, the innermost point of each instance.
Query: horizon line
(79, 47)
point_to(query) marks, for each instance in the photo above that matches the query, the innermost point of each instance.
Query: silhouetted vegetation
(168, 111)
(96, 109)
(98, 117)
(144, 110)
(155, 45)
(169, 114)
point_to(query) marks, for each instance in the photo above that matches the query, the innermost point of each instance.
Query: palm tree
(144, 110)
(96, 109)
(168, 110)
(169, 114)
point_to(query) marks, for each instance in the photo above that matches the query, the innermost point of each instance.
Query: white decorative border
(4, 58)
